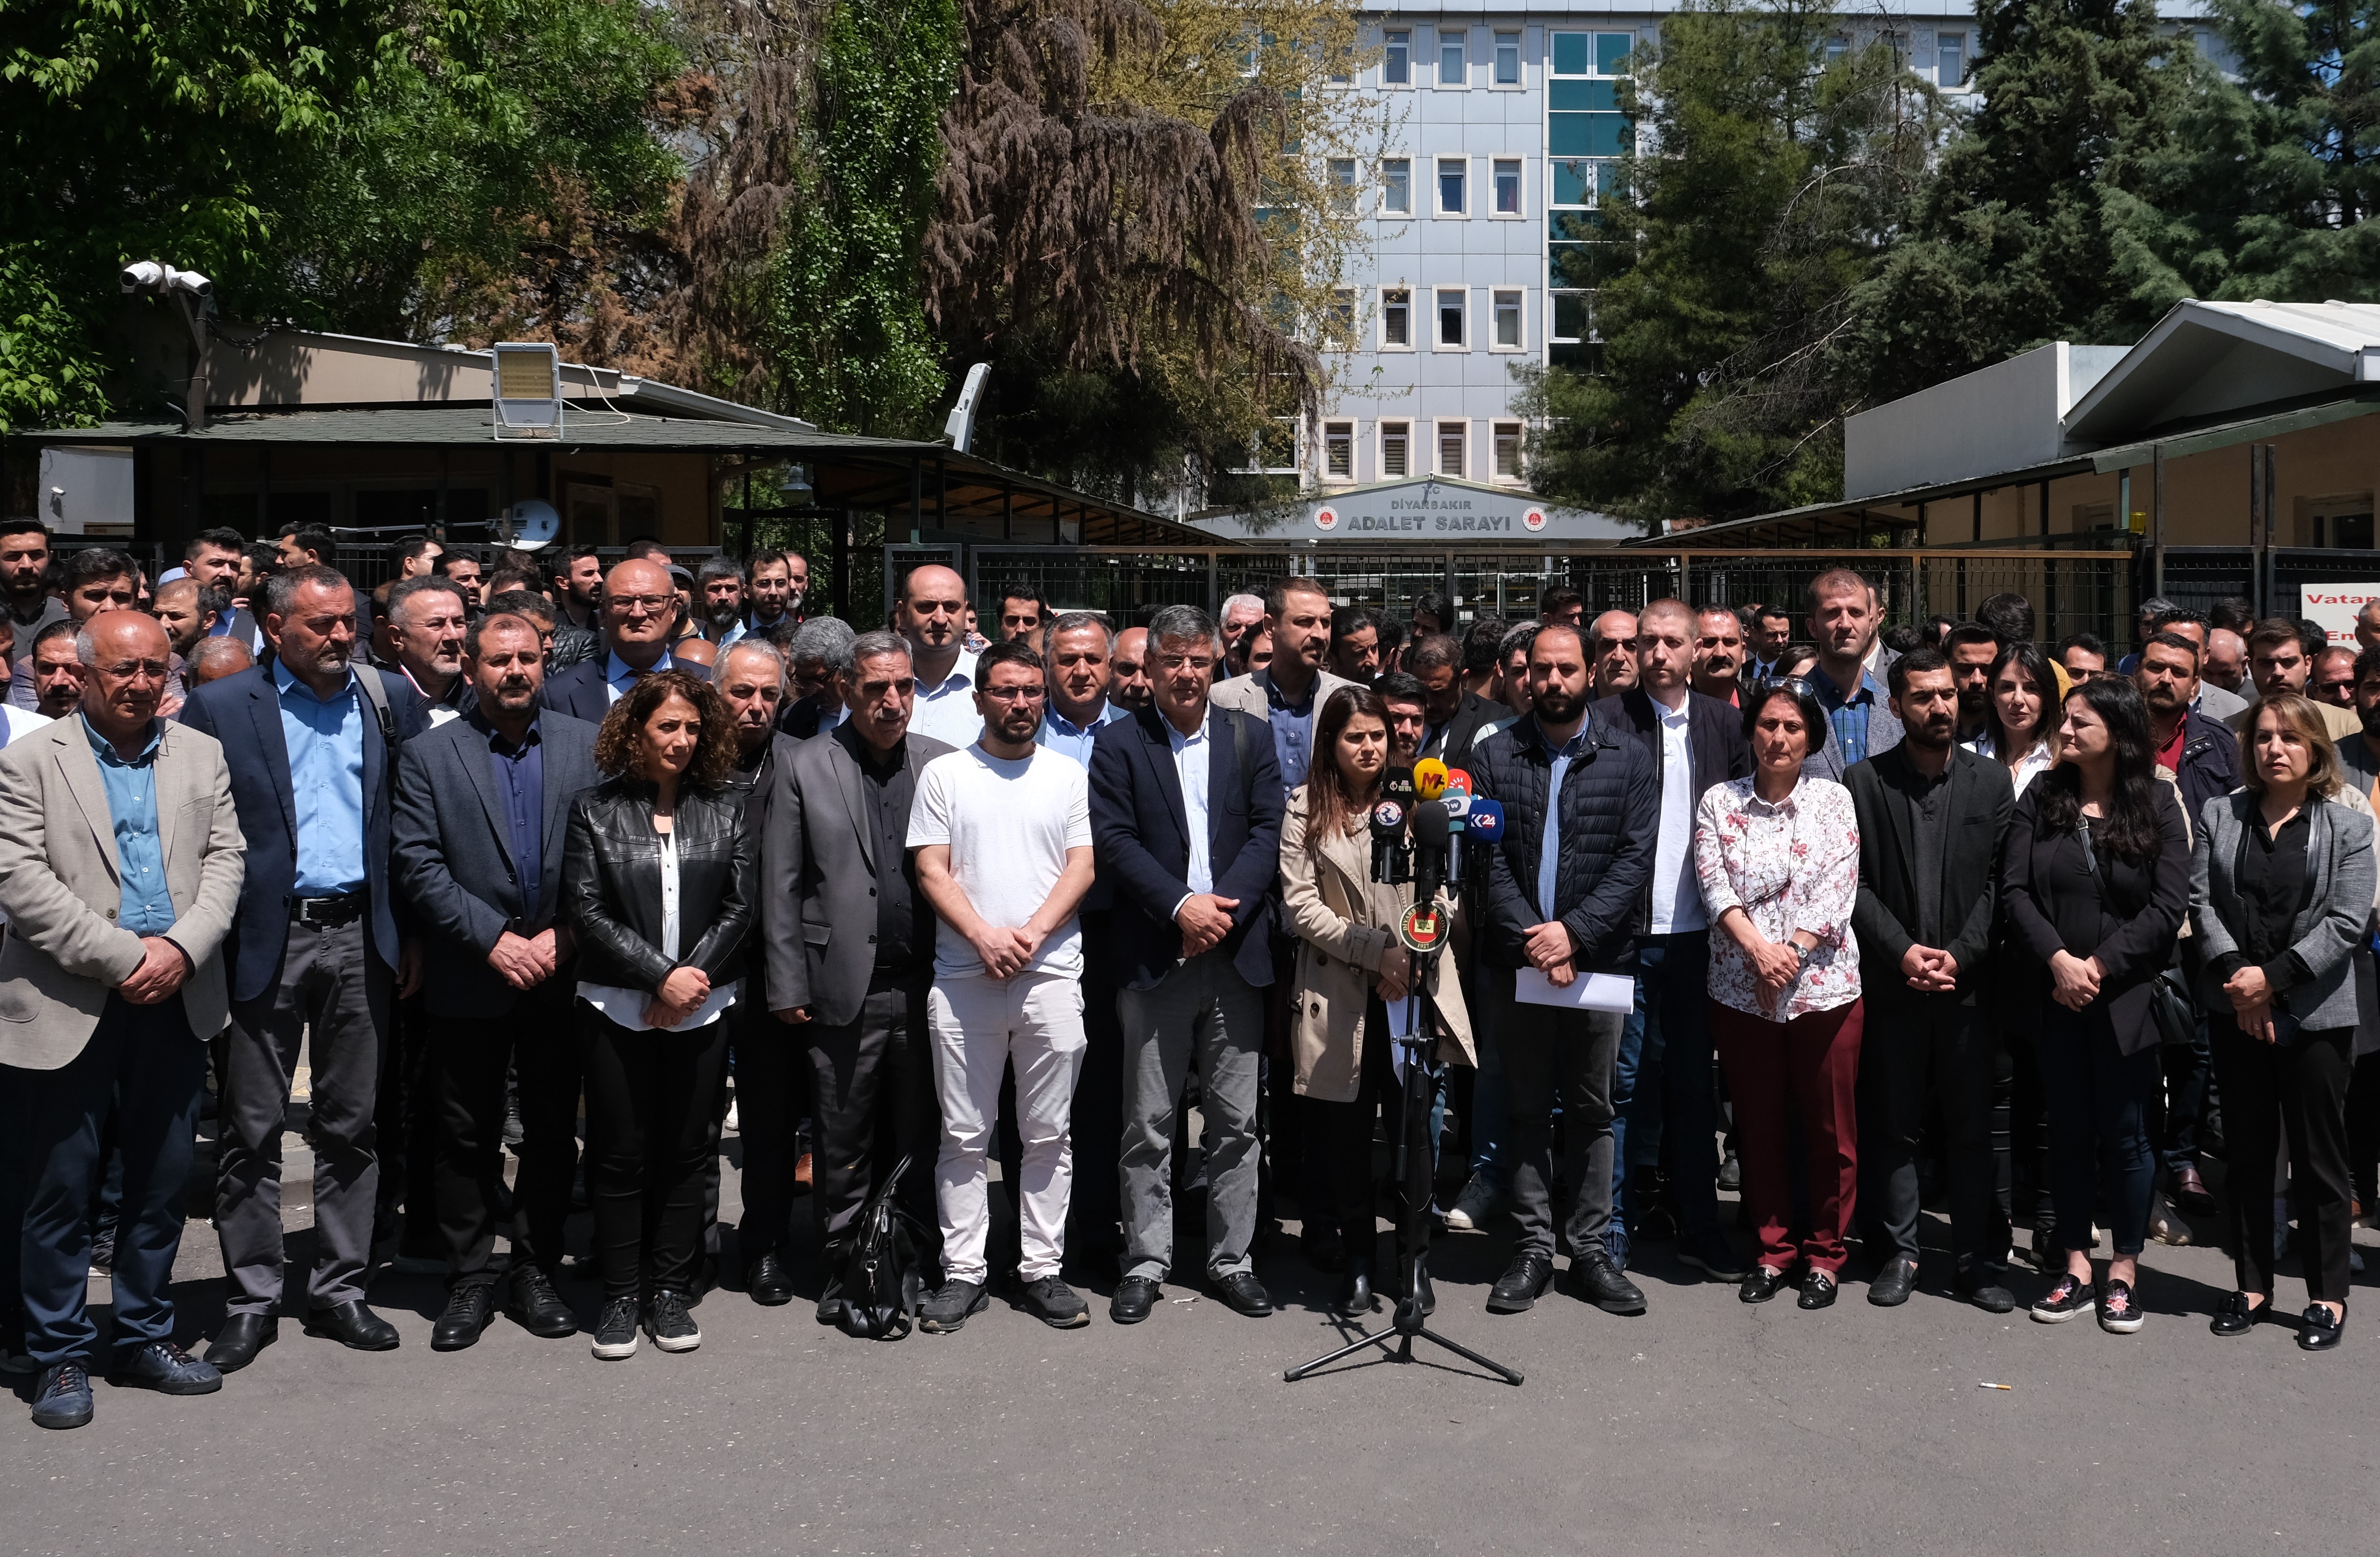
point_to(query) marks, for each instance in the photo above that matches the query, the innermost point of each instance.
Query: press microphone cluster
(1392, 850)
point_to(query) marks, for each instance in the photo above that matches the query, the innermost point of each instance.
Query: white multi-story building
(1503, 125)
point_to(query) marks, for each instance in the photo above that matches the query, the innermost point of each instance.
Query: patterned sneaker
(2072, 1296)
(2120, 1313)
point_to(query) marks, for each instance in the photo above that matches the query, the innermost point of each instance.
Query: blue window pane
(1609, 135)
(1570, 183)
(1574, 226)
(1567, 135)
(1571, 53)
(1612, 53)
(1583, 96)
(1571, 319)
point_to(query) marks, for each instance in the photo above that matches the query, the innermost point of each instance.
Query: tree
(1722, 377)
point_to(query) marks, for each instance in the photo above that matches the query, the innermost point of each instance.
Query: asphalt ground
(1702, 1427)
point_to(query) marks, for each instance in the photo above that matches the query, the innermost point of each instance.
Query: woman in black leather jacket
(657, 880)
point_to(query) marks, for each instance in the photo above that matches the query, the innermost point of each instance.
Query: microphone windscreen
(1388, 819)
(1458, 806)
(1432, 826)
(1486, 822)
(1429, 778)
(1397, 785)
(1458, 781)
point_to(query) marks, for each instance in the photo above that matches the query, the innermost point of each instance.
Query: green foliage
(852, 348)
(44, 378)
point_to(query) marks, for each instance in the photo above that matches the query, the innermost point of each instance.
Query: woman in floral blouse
(1778, 856)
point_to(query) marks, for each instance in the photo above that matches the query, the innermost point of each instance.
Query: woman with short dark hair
(2096, 878)
(657, 879)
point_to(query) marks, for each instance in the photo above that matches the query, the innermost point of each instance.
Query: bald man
(1128, 684)
(1614, 650)
(931, 613)
(639, 607)
(216, 658)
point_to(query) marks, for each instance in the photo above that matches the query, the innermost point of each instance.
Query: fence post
(1214, 587)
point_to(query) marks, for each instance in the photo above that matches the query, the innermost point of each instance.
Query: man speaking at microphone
(1563, 896)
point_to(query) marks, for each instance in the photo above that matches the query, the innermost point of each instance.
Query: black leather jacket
(611, 883)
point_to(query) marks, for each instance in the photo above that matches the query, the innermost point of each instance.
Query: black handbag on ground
(881, 1285)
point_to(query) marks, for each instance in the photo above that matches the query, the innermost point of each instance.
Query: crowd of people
(580, 863)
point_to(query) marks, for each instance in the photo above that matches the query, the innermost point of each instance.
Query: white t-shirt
(1009, 823)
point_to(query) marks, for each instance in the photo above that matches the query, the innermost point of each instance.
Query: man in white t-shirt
(1002, 836)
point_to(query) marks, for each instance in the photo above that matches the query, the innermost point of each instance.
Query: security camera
(190, 282)
(144, 275)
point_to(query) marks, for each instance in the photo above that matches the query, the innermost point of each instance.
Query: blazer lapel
(81, 772)
(1156, 746)
(264, 711)
(170, 781)
(1222, 777)
(483, 784)
(1897, 805)
(846, 779)
(559, 790)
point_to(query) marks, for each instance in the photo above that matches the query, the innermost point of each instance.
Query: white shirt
(2037, 760)
(1192, 762)
(946, 711)
(619, 678)
(1008, 823)
(626, 1007)
(1677, 897)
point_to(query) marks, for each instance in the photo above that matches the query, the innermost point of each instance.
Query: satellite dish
(532, 524)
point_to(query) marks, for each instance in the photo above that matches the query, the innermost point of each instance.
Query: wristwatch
(1803, 953)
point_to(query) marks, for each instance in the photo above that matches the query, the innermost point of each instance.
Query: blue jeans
(1661, 1087)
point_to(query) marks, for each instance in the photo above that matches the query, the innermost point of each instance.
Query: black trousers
(1348, 1130)
(772, 1077)
(649, 1097)
(873, 1103)
(1095, 1213)
(464, 1075)
(1920, 1047)
(2295, 1089)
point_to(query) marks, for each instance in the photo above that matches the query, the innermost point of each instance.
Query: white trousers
(979, 1026)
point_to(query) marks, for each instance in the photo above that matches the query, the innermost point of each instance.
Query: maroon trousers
(1804, 1072)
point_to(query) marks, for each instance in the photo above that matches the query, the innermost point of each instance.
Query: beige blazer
(1248, 694)
(61, 886)
(1345, 922)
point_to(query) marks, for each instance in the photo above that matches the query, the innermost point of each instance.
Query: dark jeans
(463, 1075)
(1348, 1130)
(2098, 1131)
(1919, 1047)
(649, 1097)
(1549, 1054)
(1094, 1213)
(873, 1103)
(2297, 1089)
(2018, 1017)
(1664, 1089)
(142, 1063)
(406, 1122)
(772, 1076)
(2183, 1096)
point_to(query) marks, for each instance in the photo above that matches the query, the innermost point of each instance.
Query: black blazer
(582, 692)
(455, 863)
(1977, 808)
(1140, 836)
(2127, 916)
(1713, 739)
(1453, 745)
(243, 711)
(611, 883)
(799, 719)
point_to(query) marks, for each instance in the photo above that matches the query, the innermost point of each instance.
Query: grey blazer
(2328, 932)
(1248, 693)
(61, 885)
(818, 875)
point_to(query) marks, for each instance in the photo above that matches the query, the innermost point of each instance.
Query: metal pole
(2272, 567)
(2157, 518)
(1979, 513)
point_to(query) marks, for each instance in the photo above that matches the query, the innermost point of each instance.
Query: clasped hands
(163, 971)
(2250, 995)
(526, 961)
(1205, 919)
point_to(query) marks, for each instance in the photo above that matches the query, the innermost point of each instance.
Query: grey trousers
(1205, 1012)
(334, 995)
(1551, 1054)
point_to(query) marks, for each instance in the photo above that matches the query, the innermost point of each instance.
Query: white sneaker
(730, 1123)
(1475, 1210)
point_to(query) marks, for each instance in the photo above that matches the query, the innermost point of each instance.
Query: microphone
(1457, 805)
(1429, 778)
(1433, 831)
(1486, 823)
(1457, 779)
(1397, 783)
(1387, 825)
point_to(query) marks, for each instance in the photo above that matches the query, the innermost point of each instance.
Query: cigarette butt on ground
(1981, 1386)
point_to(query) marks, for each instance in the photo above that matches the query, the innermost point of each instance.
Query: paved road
(1702, 1427)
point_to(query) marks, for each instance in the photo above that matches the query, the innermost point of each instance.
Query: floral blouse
(1792, 865)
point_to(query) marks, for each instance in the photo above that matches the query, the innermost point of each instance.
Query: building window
(1899, 44)
(1837, 46)
(1508, 187)
(1587, 133)
(1449, 57)
(1950, 60)
(1396, 186)
(1451, 172)
(1396, 317)
(1508, 59)
(1396, 440)
(1508, 321)
(1343, 184)
(1450, 448)
(1508, 451)
(1339, 451)
(1396, 60)
(1343, 318)
(1449, 316)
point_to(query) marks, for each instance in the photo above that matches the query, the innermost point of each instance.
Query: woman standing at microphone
(1351, 968)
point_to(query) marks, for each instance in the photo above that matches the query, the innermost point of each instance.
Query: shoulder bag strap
(376, 694)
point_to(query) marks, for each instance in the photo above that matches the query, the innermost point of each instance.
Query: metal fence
(2198, 577)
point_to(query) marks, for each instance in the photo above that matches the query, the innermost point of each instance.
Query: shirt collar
(1065, 727)
(284, 677)
(1793, 801)
(1869, 690)
(615, 667)
(104, 749)
(1176, 738)
(496, 742)
(1675, 719)
(1570, 747)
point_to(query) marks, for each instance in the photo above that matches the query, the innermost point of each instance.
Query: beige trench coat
(1346, 925)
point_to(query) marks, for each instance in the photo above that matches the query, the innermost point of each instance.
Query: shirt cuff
(1177, 905)
(2220, 969)
(2286, 972)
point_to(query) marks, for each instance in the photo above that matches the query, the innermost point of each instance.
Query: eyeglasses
(1792, 683)
(154, 669)
(1011, 694)
(628, 604)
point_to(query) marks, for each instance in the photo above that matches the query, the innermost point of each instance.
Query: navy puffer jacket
(1610, 820)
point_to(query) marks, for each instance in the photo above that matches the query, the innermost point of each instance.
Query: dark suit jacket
(820, 870)
(582, 692)
(1453, 746)
(2127, 917)
(1140, 836)
(760, 786)
(1976, 810)
(455, 865)
(243, 711)
(799, 719)
(1714, 740)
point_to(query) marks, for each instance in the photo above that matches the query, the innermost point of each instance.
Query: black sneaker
(2072, 1295)
(1053, 1303)
(2119, 1312)
(950, 1305)
(672, 1329)
(615, 1330)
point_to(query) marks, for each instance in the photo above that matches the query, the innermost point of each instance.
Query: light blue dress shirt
(1293, 731)
(1191, 761)
(326, 781)
(1060, 733)
(1550, 845)
(145, 906)
(619, 678)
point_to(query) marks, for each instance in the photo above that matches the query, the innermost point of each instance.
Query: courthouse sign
(1425, 511)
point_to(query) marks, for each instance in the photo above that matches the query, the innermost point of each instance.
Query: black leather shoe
(1762, 1284)
(1135, 1296)
(771, 1284)
(2321, 1329)
(1891, 1287)
(2234, 1317)
(1818, 1290)
(1325, 1249)
(468, 1309)
(1981, 1286)
(1243, 1293)
(1595, 1280)
(1523, 1282)
(1354, 1290)
(829, 1303)
(241, 1337)
(1428, 1293)
(354, 1325)
(538, 1308)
